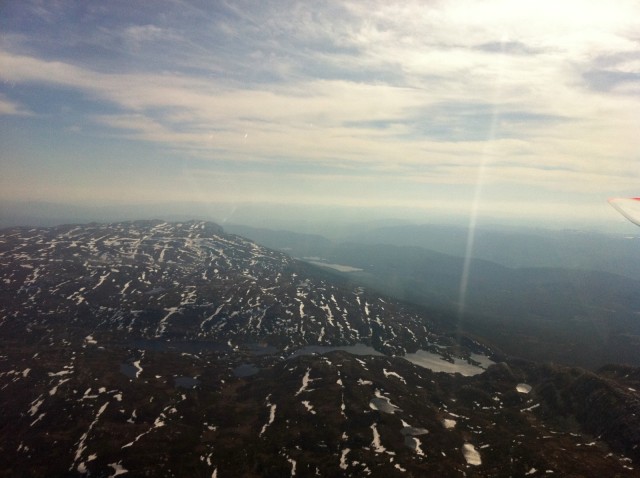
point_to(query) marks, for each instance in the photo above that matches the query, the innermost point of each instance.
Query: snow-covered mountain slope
(189, 281)
(157, 349)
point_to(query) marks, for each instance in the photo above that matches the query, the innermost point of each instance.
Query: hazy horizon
(312, 219)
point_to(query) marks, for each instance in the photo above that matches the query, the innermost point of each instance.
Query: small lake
(413, 431)
(186, 382)
(429, 360)
(316, 261)
(261, 349)
(192, 347)
(383, 404)
(437, 363)
(358, 349)
(245, 370)
(129, 370)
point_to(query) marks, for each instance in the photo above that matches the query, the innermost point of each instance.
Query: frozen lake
(437, 363)
(316, 261)
(358, 349)
(422, 358)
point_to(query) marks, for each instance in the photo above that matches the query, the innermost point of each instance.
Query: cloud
(607, 80)
(328, 120)
(509, 47)
(545, 93)
(8, 107)
(144, 33)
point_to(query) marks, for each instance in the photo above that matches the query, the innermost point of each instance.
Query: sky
(498, 109)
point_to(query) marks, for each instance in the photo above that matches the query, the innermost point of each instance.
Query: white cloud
(318, 120)
(407, 92)
(8, 107)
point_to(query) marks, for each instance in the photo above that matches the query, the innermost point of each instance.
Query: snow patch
(523, 388)
(305, 383)
(377, 446)
(448, 423)
(272, 415)
(393, 374)
(471, 454)
(118, 469)
(309, 407)
(343, 459)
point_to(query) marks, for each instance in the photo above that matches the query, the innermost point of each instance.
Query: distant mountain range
(563, 309)
(520, 247)
(175, 349)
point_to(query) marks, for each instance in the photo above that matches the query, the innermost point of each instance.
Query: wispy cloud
(8, 107)
(401, 92)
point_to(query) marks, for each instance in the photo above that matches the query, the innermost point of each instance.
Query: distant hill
(616, 254)
(570, 315)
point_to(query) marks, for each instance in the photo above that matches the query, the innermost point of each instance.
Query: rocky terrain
(174, 349)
